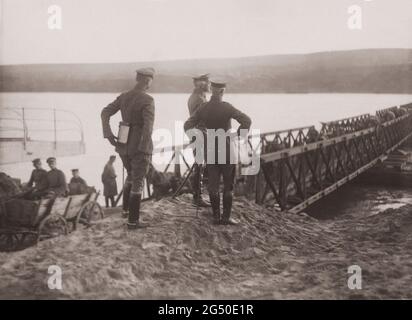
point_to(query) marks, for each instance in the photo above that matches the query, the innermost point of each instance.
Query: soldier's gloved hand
(112, 140)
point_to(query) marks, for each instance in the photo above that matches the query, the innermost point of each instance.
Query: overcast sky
(140, 30)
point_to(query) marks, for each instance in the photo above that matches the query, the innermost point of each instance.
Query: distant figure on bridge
(402, 111)
(217, 114)
(109, 182)
(373, 122)
(77, 184)
(134, 143)
(388, 116)
(274, 146)
(313, 135)
(38, 181)
(198, 98)
(57, 185)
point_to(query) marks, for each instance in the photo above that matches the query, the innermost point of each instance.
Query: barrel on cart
(25, 222)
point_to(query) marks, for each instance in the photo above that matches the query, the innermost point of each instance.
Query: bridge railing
(347, 125)
(267, 142)
(294, 178)
(301, 165)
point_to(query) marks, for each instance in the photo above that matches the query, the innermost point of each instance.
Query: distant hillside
(358, 71)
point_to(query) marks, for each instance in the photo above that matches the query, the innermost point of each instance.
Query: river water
(269, 112)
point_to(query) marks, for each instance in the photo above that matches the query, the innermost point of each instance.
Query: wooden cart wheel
(90, 212)
(27, 239)
(52, 226)
(9, 241)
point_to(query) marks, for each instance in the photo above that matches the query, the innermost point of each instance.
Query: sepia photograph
(187, 151)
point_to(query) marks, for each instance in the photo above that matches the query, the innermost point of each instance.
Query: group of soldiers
(135, 151)
(52, 183)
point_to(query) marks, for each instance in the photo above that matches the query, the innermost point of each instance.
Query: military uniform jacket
(137, 109)
(217, 114)
(78, 180)
(196, 99)
(39, 179)
(57, 182)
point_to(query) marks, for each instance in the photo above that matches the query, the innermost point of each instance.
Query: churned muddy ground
(182, 255)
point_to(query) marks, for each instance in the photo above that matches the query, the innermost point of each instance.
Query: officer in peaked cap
(57, 185)
(201, 85)
(138, 113)
(217, 114)
(146, 72)
(197, 98)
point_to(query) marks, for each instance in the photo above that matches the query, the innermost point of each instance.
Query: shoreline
(181, 256)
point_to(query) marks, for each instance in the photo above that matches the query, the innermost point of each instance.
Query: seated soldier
(57, 185)
(38, 181)
(77, 184)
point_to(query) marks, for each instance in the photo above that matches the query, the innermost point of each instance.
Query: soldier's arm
(194, 104)
(107, 112)
(62, 182)
(190, 106)
(83, 181)
(193, 120)
(31, 181)
(148, 113)
(244, 120)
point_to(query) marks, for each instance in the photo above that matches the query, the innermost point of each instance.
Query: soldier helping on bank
(109, 181)
(134, 142)
(217, 114)
(196, 99)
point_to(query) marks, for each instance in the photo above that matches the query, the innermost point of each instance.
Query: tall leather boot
(215, 203)
(134, 211)
(227, 209)
(126, 195)
(197, 194)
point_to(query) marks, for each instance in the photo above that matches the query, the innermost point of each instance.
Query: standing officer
(134, 143)
(217, 114)
(196, 99)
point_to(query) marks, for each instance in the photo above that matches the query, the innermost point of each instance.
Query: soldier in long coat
(109, 182)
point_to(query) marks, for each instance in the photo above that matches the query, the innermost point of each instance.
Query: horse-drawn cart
(24, 222)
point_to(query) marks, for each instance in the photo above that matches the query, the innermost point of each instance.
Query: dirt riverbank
(182, 255)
